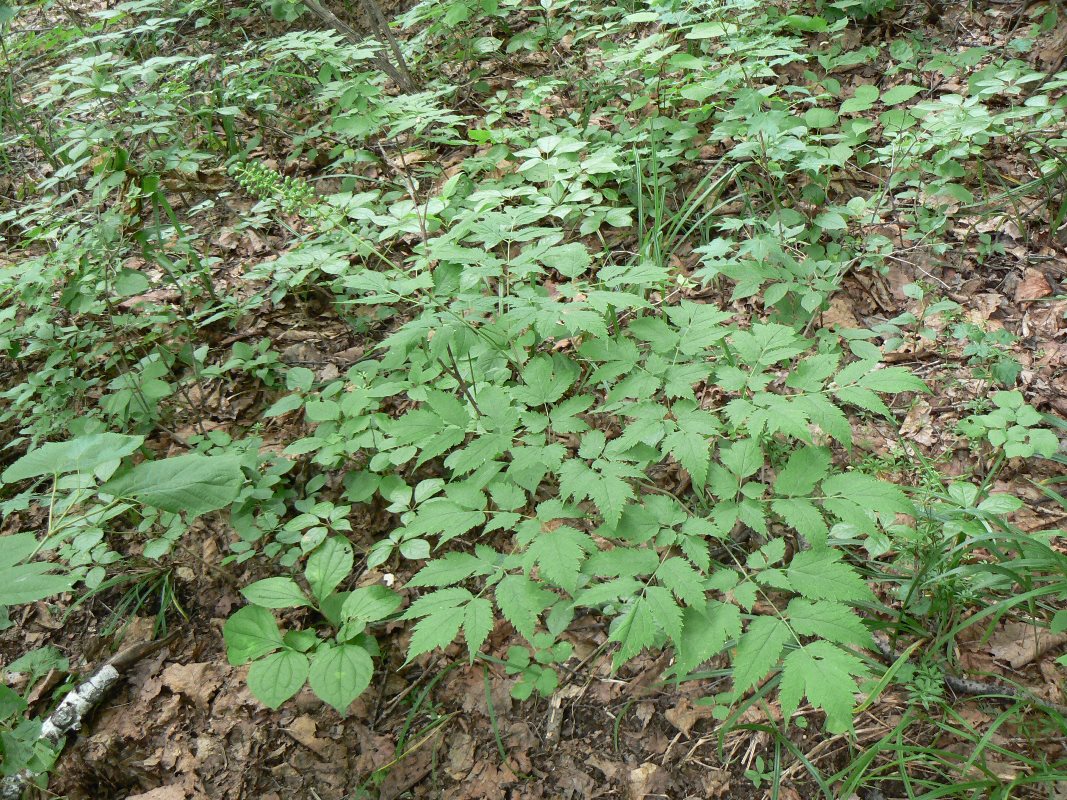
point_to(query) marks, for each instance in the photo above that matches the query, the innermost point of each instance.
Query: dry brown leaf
(1032, 286)
(1018, 644)
(649, 778)
(197, 681)
(684, 715)
(170, 792)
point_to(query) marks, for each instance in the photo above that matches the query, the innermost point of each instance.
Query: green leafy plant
(339, 669)
(1011, 427)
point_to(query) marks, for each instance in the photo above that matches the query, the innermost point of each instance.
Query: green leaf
(825, 674)
(805, 468)
(559, 555)
(831, 221)
(521, 601)
(82, 455)
(758, 652)
(692, 452)
(279, 676)
(820, 575)
(804, 517)
(711, 30)
(275, 593)
(283, 405)
(665, 611)
(328, 565)
(451, 568)
(678, 576)
(834, 622)
(899, 94)
(893, 379)
(27, 583)
(477, 624)
(194, 484)
(868, 492)
(634, 630)
(705, 633)
(438, 629)
(742, 458)
(569, 260)
(862, 99)
(340, 674)
(370, 604)
(250, 633)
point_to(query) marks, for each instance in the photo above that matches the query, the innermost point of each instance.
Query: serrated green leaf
(804, 517)
(634, 630)
(477, 624)
(825, 674)
(451, 568)
(868, 492)
(437, 629)
(277, 677)
(862, 398)
(758, 651)
(820, 575)
(743, 457)
(665, 611)
(834, 622)
(521, 601)
(805, 468)
(692, 452)
(893, 379)
(275, 593)
(684, 581)
(705, 632)
(559, 555)
(340, 674)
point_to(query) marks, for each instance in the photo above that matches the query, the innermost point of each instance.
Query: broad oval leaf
(193, 483)
(340, 674)
(279, 676)
(329, 565)
(83, 454)
(275, 593)
(250, 633)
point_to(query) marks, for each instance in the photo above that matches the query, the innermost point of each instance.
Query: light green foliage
(1012, 426)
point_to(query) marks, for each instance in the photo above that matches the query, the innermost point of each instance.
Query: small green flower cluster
(294, 195)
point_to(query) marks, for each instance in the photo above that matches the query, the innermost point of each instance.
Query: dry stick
(76, 706)
(972, 688)
(400, 78)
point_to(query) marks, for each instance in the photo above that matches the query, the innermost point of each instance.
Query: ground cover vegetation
(671, 390)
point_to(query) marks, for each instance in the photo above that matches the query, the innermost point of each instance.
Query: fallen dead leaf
(1018, 644)
(1032, 286)
(303, 729)
(197, 681)
(170, 792)
(684, 716)
(646, 779)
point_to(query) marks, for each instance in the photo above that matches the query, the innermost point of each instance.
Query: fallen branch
(76, 706)
(972, 688)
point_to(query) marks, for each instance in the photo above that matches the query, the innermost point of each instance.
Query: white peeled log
(73, 708)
